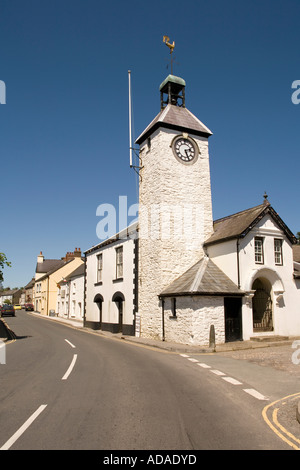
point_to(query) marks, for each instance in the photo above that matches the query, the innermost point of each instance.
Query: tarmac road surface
(65, 388)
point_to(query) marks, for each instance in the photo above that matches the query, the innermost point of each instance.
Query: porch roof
(204, 278)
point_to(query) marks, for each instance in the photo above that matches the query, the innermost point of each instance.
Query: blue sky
(64, 127)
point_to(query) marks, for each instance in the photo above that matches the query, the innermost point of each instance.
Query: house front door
(233, 318)
(120, 308)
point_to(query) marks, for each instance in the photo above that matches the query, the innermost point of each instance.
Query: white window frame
(278, 251)
(259, 250)
(119, 262)
(99, 267)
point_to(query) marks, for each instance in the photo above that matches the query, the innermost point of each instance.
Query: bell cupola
(172, 91)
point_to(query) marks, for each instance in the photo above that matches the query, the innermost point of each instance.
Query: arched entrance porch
(119, 299)
(262, 305)
(263, 287)
(98, 299)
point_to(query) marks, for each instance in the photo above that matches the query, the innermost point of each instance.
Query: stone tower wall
(175, 217)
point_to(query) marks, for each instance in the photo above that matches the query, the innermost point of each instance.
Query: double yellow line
(274, 424)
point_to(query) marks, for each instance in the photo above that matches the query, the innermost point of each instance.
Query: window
(173, 307)
(99, 267)
(259, 252)
(119, 262)
(278, 251)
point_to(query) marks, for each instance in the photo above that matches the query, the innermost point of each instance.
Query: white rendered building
(186, 275)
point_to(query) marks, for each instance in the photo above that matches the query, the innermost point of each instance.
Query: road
(68, 389)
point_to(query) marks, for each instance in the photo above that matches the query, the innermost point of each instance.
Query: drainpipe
(163, 318)
(84, 290)
(238, 262)
(47, 312)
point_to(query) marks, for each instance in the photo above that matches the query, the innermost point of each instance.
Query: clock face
(184, 149)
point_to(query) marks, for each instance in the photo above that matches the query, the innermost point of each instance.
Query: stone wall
(175, 216)
(194, 317)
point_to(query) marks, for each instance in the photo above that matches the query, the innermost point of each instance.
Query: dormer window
(278, 251)
(259, 250)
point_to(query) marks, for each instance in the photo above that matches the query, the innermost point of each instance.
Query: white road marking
(23, 428)
(255, 394)
(217, 372)
(70, 368)
(232, 381)
(250, 391)
(72, 345)
(205, 366)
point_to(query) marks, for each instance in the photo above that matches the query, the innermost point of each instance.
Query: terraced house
(47, 276)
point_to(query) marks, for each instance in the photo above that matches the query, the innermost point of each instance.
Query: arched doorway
(262, 305)
(98, 299)
(119, 299)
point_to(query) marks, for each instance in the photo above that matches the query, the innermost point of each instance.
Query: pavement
(277, 352)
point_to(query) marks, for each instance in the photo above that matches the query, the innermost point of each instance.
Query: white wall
(194, 316)
(285, 295)
(109, 285)
(165, 182)
(76, 296)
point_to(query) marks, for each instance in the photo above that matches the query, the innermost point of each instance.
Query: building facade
(111, 284)
(187, 278)
(175, 208)
(70, 295)
(45, 287)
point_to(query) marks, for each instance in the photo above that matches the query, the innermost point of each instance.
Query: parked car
(29, 307)
(7, 310)
(18, 307)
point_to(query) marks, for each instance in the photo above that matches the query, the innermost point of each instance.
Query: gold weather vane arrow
(166, 40)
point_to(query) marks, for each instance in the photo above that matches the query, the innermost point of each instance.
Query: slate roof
(77, 272)
(30, 284)
(239, 224)
(48, 265)
(175, 117)
(204, 278)
(130, 232)
(296, 253)
(9, 292)
(56, 267)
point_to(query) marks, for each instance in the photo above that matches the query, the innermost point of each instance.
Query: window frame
(99, 267)
(280, 263)
(259, 253)
(119, 262)
(173, 307)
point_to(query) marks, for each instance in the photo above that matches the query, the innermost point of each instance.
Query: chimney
(72, 255)
(77, 253)
(40, 258)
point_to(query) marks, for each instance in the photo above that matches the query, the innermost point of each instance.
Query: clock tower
(175, 207)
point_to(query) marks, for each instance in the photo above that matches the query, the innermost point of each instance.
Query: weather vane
(166, 40)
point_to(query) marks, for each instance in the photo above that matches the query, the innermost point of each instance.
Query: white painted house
(70, 295)
(186, 273)
(111, 277)
(253, 251)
